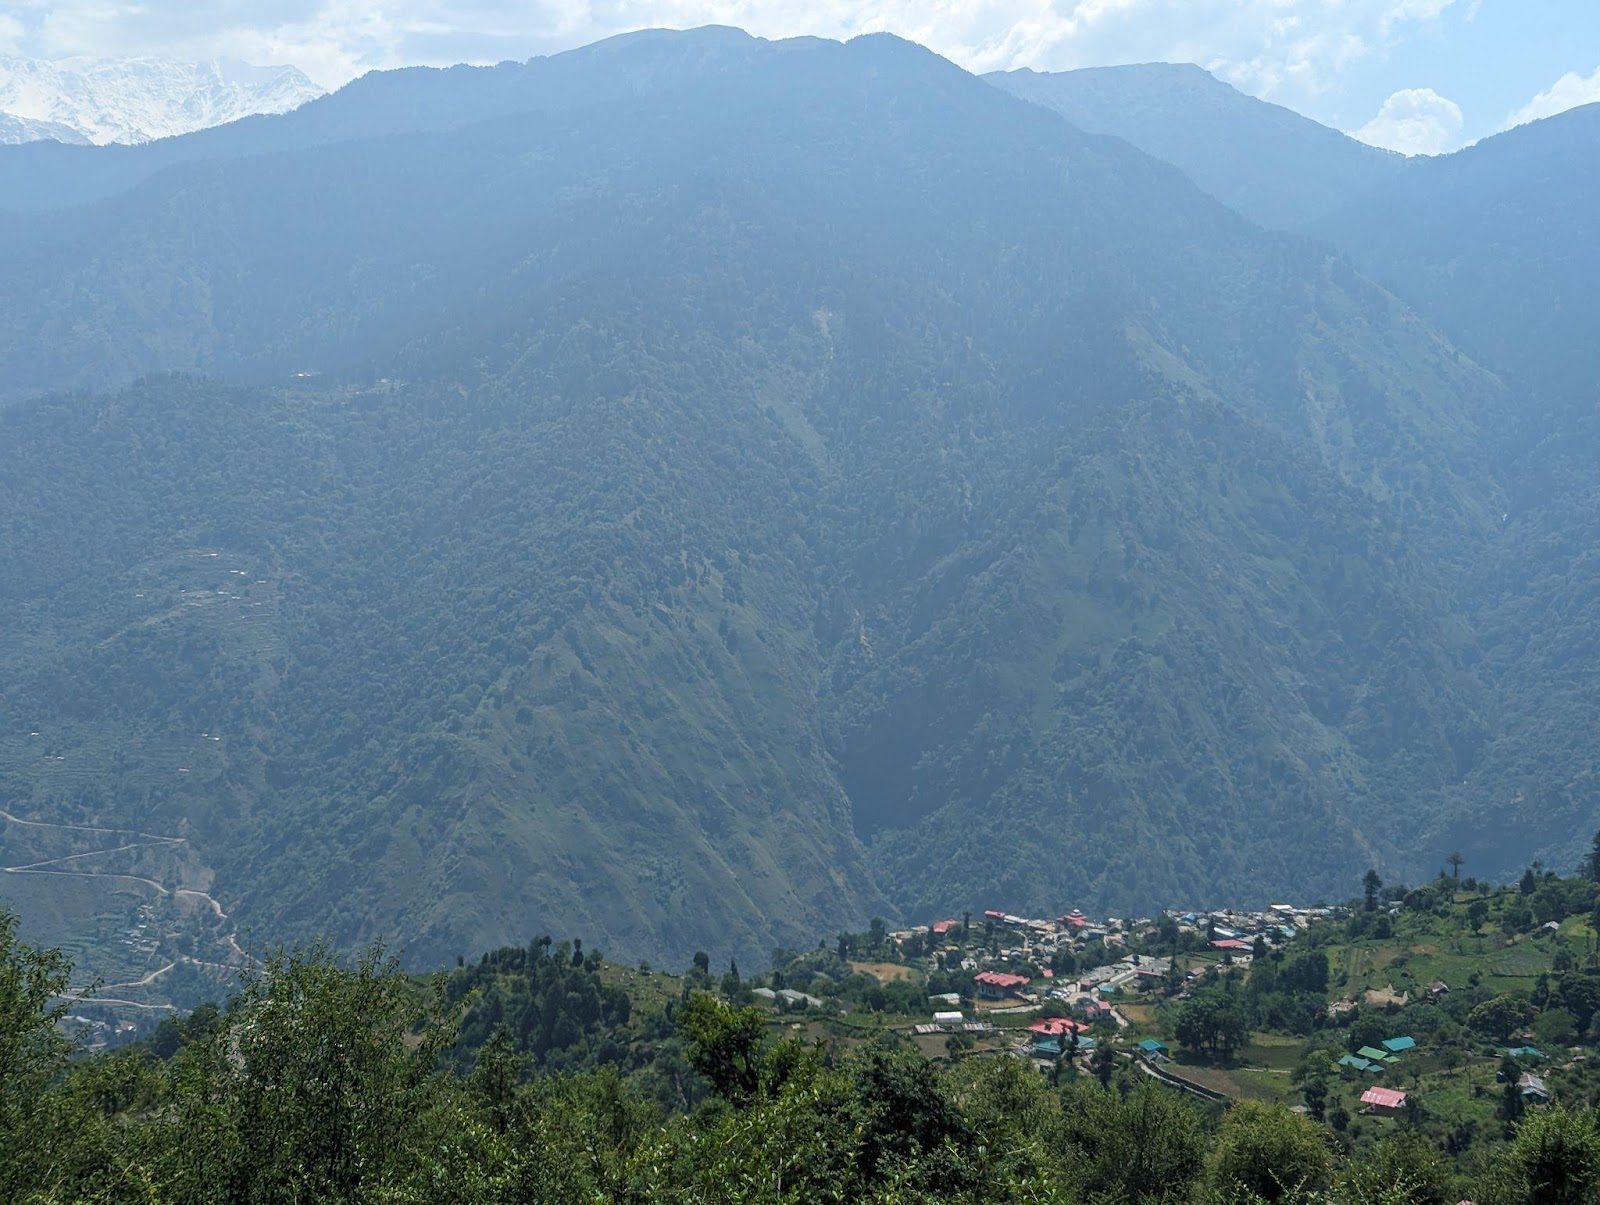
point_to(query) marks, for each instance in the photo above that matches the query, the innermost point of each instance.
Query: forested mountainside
(1497, 244)
(713, 513)
(1270, 163)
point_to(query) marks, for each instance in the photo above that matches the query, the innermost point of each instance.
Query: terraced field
(133, 910)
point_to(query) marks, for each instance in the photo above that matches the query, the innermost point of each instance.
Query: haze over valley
(700, 491)
(1005, 611)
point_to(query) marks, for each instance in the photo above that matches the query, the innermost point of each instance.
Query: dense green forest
(1496, 244)
(781, 484)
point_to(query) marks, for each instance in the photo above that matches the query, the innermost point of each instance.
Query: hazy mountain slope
(412, 100)
(1270, 163)
(449, 700)
(1213, 666)
(1497, 244)
(1500, 244)
(830, 442)
(1535, 602)
(139, 99)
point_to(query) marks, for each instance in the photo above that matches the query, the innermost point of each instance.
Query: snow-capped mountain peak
(138, 99)
(14, 129)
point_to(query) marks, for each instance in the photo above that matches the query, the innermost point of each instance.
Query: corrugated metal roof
(1384, 1098)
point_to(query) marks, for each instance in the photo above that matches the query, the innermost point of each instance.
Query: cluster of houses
(1387, 1102)
(138, 937)
(1236, 932)
(1232, 932)
(92, 1033)
(1091, 994)
(1373, 1059)
(1225, 929)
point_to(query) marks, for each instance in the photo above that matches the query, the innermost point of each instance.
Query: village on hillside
(1458, 1002)
(1085, 967)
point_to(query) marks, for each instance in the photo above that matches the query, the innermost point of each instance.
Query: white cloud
(1415, 121)
(11, 34)
(1568, 92)
(1278, 48)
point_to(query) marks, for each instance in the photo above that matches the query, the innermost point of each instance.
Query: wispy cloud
(1279, 48)
(1415, 121)
(11, 34)
(1568, 92)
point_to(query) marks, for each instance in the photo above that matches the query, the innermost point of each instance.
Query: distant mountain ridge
(410, 100)
(1505, 226)
(138, 100)
(1270, 163)
(16, 130)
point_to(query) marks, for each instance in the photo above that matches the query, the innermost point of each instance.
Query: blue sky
(1417, 75)
(1491, 59)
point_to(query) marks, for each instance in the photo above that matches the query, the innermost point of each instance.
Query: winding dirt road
(150, 840)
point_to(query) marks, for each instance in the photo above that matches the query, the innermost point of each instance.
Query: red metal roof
(1384, 1098)
(943, 926)
(1054, 1026)
(1001, 979)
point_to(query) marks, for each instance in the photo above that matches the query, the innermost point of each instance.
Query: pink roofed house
(1054, 1026)
(1384, 1100)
